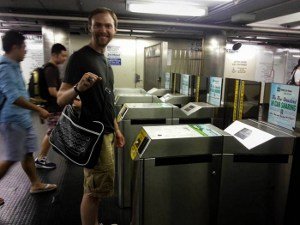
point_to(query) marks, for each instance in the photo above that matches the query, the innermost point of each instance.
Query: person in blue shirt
(18, 138)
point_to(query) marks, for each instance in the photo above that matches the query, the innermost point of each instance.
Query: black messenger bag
(79, 143)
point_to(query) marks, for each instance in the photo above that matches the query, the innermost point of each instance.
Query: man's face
(61, 57)
(102, 29)
(19, 52)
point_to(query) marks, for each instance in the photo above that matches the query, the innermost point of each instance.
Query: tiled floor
(57, 208)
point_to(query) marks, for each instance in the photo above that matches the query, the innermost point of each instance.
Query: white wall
(131, 54)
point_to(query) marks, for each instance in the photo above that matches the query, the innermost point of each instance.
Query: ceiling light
(296, 56)
(164, 8)
(143, 31)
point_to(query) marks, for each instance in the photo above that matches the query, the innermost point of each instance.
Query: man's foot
(44, 164)
(1, 201)
(40, 188)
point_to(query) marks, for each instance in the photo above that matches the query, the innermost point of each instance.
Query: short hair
(11, 38)
(103, 10)
(57, 48)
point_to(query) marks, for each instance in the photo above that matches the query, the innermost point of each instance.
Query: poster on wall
(34, 56)
(215, 91)
(114, 55)
(264, 65)
(167, 81)
(184, 84)
(283, 105)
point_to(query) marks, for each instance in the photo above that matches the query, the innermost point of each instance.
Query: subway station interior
(212, 128)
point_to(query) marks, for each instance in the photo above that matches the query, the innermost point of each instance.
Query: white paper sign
(247, 135)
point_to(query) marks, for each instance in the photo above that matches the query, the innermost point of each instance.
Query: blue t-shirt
(12, 86)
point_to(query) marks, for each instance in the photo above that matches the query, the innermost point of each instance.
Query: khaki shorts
(99, 181)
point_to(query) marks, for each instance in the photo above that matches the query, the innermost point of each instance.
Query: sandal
(44, 188)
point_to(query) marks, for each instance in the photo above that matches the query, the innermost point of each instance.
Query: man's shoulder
(81, 51)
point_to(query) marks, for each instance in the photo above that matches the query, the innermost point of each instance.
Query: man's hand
(43, 113)
(87, 81)
(120, 140)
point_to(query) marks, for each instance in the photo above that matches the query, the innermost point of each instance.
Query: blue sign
(283, 105)
(114, 61)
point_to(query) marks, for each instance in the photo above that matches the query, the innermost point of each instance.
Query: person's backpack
(37, 86)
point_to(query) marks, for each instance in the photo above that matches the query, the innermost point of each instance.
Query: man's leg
(89, 210)
(36, 185)
(41, 160)
(4, 167)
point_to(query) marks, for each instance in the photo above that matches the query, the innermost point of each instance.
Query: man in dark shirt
(51, 73)
(90, 76)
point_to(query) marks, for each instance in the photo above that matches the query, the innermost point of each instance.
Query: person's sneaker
(44, 164)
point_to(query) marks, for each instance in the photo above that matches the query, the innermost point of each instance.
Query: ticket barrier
(199, 112)
(131, 118)
(121, 99)
(159, 92)
(118, 91)
(176, 174)
(176, 99)
(255, 182)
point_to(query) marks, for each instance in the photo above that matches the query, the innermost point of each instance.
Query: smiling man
(89, 75)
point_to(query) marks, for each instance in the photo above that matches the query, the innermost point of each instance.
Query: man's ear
(89, 28)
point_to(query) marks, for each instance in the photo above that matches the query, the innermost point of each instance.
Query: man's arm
(52, 91)
(22, 102)
(67, 94)
(120, 140)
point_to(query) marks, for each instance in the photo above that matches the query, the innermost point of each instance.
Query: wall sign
(283, 105)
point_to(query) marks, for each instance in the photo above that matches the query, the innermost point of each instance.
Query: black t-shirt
(98, 101)
(52, 78)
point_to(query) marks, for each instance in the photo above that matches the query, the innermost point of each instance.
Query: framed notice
(283, 105)
(215, 91)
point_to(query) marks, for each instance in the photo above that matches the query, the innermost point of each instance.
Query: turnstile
(254, 183)
(198, 112)
(121, 99)
(176, 99)
(159, 92)
(118, 91)
(176, 174)
(132, 117)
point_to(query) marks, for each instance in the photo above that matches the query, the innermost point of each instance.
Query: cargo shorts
(99, 181)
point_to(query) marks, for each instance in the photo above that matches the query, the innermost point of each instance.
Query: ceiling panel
(75, 12)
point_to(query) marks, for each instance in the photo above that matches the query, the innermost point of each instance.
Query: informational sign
(171, 132)
(247, 135)
(205, 130)
(264, 65)
(283, 105)
(167, 80)
(190, 108)
(114, 55)
(184, 84)
(215, 91)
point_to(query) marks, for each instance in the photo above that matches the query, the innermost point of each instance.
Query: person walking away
(53, 82)
(89, 75)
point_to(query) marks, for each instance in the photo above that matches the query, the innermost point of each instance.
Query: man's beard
(101, 43)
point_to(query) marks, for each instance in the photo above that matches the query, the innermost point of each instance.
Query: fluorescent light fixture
(164, 8)
(143, 31)
(296, 56)
(124, 30)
